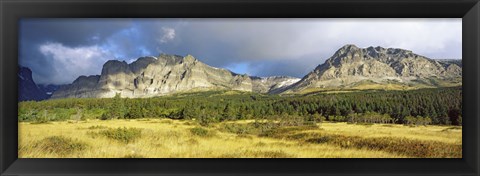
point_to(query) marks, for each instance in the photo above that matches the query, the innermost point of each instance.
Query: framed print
(245, 87)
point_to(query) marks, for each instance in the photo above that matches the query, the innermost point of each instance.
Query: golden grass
(164, 138)
(430, 133)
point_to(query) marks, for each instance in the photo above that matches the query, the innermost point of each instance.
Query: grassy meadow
(167, 138)
(424, 123)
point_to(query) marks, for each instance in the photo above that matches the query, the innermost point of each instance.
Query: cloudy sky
(60, 50)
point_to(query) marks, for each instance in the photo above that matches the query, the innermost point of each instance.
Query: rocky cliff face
(273, 84)
(27, 88)
(351, 65)
(162, 75)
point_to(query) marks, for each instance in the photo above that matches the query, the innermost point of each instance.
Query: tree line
(423, 106)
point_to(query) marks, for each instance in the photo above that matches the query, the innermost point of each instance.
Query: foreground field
(165, 138)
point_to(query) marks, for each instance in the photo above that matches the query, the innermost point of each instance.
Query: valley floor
(166, 138)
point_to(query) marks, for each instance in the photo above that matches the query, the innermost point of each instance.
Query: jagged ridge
(351, 65)
(166, 74)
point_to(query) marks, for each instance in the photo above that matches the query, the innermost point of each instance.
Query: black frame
(11, 11)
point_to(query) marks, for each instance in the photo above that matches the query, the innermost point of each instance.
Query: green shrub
(319, 140)
(43, 117)
(95, 113)
(299, 136)
(60, 114)
(205, 120)
(122, 134)
(189, 123)
(105, 116)
(202, 132)
(452, 128)
(415, 148)
(25, 115)
(265, 129)
(60, 145)
(408, 147)
(419, 120)
(318, 118)
(369, 118)
(239, 129)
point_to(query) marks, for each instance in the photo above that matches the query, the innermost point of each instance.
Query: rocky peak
(111, 63)
(24, 73)
(27, 88)
(352, 53)
(114, 67)
(115, 64)
(165, 74)
(351, 64)
(348, 47)
(169, 59)
(141, 63)
(189, 58)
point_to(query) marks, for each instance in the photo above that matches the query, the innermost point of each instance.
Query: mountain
(273, 84)
(349, 68)
(163, 75)
(49, 88)
(450, 61)
(377, 67)
(27, 88)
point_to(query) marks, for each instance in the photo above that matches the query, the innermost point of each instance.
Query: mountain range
(350, 67)
(163, 75)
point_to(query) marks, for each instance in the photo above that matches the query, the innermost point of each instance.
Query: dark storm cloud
(71, 32)
(59, 50)
(75, 33)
